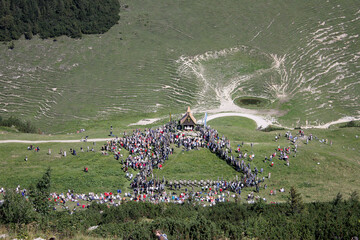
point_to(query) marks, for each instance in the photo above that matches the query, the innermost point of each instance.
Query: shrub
(16, 209)
(11, 45)
(271, 128)
(350, 124)
(25, 127)
(40, 193)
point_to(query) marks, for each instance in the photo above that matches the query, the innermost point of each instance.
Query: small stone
(4, 236)
(92, 228)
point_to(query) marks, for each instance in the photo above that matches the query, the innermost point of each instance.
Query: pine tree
(295, 202)
(40, 193)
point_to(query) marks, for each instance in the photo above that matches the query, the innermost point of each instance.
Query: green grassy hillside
(300, 55)
(319, 171)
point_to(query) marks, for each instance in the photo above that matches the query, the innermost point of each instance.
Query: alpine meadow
(231, 119)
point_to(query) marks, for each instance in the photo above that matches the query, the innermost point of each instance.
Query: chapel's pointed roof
(187, 115)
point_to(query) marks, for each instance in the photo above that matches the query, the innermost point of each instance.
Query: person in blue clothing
(160, 235)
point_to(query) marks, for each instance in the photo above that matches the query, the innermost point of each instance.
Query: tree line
(52, 18)
(338, 219)
(22, 126)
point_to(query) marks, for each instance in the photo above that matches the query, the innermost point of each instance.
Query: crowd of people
(151, 148)
(72, 202)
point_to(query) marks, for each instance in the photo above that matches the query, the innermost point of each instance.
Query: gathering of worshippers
(150, 149)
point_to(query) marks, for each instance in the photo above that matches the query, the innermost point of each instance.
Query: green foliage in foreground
(138, 220)
(22, 209)
(54, 18)
(16, 209)
(339, 219)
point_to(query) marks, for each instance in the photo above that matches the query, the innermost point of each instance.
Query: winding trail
(326, 125)
(56, 141)
(260, 122)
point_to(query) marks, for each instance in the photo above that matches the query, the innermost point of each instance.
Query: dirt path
(260, 122)
(145, 121)
(326, 125)
(56, 141)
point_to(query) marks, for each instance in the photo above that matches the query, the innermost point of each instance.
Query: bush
(338, 219)
(271, 128)
(16, 209)
(11, 45)
(350, 124)
(25, 127)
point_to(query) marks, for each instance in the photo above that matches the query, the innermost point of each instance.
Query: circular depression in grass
(252, 102)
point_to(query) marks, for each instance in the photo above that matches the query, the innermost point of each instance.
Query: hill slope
(302, 56)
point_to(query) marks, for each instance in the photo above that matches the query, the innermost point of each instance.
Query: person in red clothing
(86, 169)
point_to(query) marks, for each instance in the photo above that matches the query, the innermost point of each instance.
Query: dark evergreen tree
(52, 18)
(40, 193)
(295, 202)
